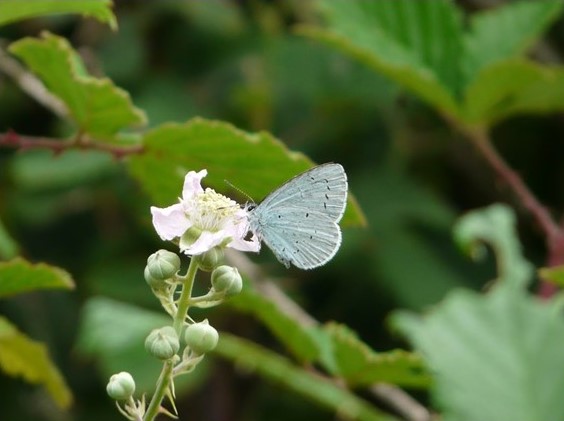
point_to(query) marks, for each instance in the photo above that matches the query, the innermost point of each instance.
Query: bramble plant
(202, 224)
(371, 84)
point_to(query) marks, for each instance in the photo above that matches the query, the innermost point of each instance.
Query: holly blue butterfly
(299, 220)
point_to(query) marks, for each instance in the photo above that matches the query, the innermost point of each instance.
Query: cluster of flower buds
(202, 224)
(199, 338)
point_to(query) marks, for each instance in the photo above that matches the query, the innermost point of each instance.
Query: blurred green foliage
(243, 62)
(504, 343)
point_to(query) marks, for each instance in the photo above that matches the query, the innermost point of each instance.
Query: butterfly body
(299, 220)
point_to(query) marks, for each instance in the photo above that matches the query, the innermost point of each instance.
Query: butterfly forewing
(298, 221)
(322, 188)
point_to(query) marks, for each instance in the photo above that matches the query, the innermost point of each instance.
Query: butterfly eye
(251, 207)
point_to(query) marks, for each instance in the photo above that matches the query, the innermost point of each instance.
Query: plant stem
(482, 141)
(14, 140)
(160, 392)
(178, 322)
(185, 295)
(553, 232)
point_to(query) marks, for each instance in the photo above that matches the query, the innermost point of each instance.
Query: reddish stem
(14, 140)
(554, 234)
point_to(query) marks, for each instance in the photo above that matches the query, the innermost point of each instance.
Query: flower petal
(205, 242)
(192, 184)
(170, 222)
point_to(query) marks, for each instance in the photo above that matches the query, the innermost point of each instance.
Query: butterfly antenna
(240, 191)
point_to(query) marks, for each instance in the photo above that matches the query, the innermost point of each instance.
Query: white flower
(204, 219)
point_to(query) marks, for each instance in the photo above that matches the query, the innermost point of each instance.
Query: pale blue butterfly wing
(299, 220)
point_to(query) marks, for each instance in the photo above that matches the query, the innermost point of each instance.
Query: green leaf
(496, 357)
(505, 32)
(14, 10)
(8, 247)
(495, 225)
(114, 333)
(478, 77)
(513, 87)
(280, 370)
(256, 163)
(553, 274)
(97, 106)
(414, 43)
(18, 276)
(359, 365)
(23, 357)
(299, 339)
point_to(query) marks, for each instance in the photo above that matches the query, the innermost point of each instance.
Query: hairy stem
(185, 295)
(553, 232)
(482, 142)
(16, 141)
(162, 387)
(178, 322)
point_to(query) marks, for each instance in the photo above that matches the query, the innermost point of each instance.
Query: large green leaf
(415, 43)
(298, 338)
(472, 77)
(18, 276)
(255, 162)
(280, 370)
(505, 32)
(23, 357)
(97, 106)
(359, 365)
(513, 87)
(496, 357)
(336, 346)
(14, 10)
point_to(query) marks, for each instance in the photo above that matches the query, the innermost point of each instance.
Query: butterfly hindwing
(306, 246)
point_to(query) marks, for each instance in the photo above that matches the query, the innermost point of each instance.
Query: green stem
(166, 373)
(160, 392)
(185, 295)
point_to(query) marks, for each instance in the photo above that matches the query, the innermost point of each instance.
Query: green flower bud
(155, 284)
(121, 386)
(210, 259)
(162, 343)
(226, 279)
(161, 265)
(201, 337)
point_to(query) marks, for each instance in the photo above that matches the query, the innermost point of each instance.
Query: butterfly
(299, 220)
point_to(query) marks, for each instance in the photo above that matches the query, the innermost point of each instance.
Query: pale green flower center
(209, 210)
